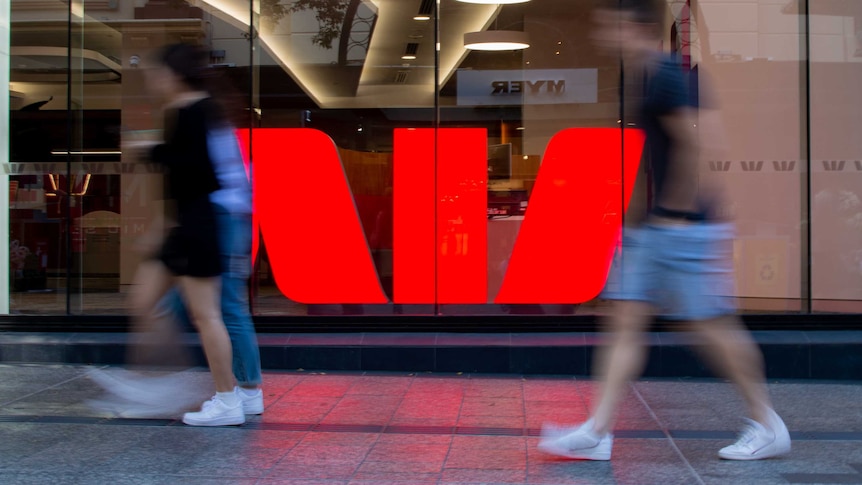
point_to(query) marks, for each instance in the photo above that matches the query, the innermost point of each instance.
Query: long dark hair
(191, 63)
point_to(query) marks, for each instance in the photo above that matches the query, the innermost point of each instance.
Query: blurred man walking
(677, 262)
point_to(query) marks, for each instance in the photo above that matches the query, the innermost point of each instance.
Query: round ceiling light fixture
(496, 40)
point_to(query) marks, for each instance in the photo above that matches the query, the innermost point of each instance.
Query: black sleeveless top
(192, 247)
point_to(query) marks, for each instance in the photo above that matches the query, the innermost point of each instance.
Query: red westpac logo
(306, 214)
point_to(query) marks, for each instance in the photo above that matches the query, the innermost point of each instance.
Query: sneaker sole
(224, 421)
(252, 410)
(759, 456)
(553, 449)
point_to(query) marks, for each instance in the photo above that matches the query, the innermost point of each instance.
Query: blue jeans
(235, 242)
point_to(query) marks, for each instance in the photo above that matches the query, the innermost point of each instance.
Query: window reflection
(359, 70)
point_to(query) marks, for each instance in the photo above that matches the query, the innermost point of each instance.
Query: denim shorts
(684, 270)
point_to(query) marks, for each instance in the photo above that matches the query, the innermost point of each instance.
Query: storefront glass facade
(398, 171)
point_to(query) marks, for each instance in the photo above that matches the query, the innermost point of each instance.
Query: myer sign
(538, 86)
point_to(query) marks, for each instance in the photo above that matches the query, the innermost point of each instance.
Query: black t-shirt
(666, 92)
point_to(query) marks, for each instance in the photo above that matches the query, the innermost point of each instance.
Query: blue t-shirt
(666, 92)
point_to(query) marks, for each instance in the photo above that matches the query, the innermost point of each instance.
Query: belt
(680, 216)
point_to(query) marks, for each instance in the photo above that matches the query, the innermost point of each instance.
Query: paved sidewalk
(377, 429)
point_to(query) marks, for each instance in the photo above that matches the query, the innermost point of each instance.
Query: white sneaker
(251, 403)
(216, 412)
(758, 442)
(579, 443)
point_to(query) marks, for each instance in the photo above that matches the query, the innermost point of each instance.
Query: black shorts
(192, 248)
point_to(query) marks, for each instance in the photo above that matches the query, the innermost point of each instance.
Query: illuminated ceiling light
(494, 2)
(410, 51)
(426, 9)
(496, 40)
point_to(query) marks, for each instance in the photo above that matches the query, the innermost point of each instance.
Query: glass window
(39, 134)
(78, 204)
(836, 155)
(752, 55)
(336, 83)
(404, 164)
(533, 106)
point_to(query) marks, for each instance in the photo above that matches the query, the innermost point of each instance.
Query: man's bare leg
(729, 349)
(620, 360)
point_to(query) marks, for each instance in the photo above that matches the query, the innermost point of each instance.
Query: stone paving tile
(449, 422)
(306, 453)
(335, 429)
(277, 385)
(82, 448)
(423, 408)
(429, 450)
(28, 478)
(539, 392)
(319, 471)
(393, 386)
(301, 410)
(285, 481)
(17, 381)
(469, 443)
(398, 470)
(812, 405)
(634, 462)
(809, 458)
(364, 440)
(359, 409)
(537, 413)
(487, 458)
(438, 387)
(482, 475)
(706, 405)
(248, 454)
(322, 386)
(648, 461)
(495, 388)
(501, 406)
(394, 480)
(491, 421)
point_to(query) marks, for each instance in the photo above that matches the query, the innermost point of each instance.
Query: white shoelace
(207, 404)
(747, 435)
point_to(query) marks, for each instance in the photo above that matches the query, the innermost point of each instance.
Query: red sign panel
(305, 212)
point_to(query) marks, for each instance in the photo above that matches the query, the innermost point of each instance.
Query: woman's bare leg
(152, 281)
(202, 300)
